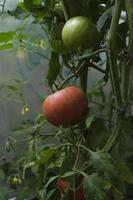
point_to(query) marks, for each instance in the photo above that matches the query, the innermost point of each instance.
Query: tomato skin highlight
(80, 32)
(66, 107)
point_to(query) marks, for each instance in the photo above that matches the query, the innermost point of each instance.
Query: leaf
(104, 164)
(102, 20)
(51, 180)
(97, 132)
(67, 163)
(124, 172)
(95, 187)
(6, 36)
(2, 175)
(46, 155)
(12, 87)
(58, 46)
(54, 68)
(6, 46)
(69, 173)
(89, 120)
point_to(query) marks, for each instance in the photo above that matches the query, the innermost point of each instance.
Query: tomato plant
(70, 100)
(88, 153)
(79, 32)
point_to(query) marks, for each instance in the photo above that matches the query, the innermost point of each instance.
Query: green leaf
(97, 132)
(102, 20)
(68, 174)
(46, 155)
(67, 163)
(102, 162)
(89, 120)
(95, 187)
(6, 36)
(2, 175)
(51, 180)
(54, 68)
(58, 46)
(12, 87)
(6, 46)
(124, 172)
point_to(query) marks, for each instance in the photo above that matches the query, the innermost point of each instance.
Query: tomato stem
(111, 44)
(127, 62)
(63, 3)
(116, 133)
(84, 77)
(112, 56)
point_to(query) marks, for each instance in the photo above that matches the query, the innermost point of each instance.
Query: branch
(3, 7)
(90, 56)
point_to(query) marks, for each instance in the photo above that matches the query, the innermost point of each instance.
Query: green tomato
(79, 32)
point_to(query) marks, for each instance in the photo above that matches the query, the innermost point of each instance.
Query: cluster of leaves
(64, 154)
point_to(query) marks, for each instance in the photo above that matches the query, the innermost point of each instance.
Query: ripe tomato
(63, 186)
(66, 107)
(79, 32)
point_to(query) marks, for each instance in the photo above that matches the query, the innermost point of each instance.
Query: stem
(97, 68)
(115, 77)
(116, 133)
(90, 56)
(64, 6)
(3, 7)
(83, 77)
(125, 81)
(129, 8)
(71, 76)
(127, 66)
(111, 41)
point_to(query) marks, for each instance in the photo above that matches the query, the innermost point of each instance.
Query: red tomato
(62, 186)
(66, 107)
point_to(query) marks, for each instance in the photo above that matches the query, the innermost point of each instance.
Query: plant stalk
(84, 77)
(112, 56)
(128, 63)
(111, 44)
(64, 6)
(116, 133)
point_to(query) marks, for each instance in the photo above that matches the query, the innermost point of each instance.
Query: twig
(3, 7)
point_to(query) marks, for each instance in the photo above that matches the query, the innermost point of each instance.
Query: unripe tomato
(79, 32)
(66, 107)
